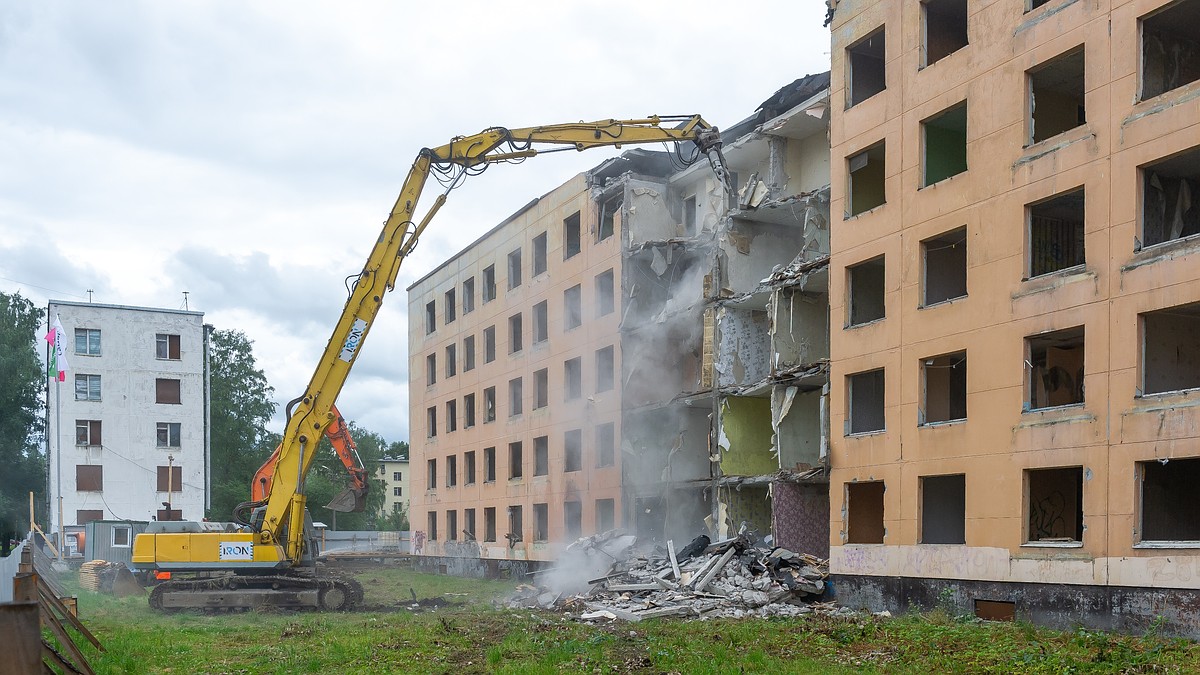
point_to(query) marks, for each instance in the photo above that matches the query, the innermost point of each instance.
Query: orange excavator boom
(351, 500)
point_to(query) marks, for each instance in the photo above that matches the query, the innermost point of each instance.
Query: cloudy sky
(247, 152)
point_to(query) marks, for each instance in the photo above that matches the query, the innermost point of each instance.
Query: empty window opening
(489, 344)
(541, 456)
(515, 396)
(89, 478)
(489, 465)
(489, 283)
(541, 388)
(608, 218)
(451, 360)
(469, 353)
(516, 468)
(168, 434)
(469, 470)
(539, 254)
(451, 306)
(166, 391)
(451, 416)
(514, 269)
(1170, 361)
(166, 346)
(1056, 234)
(865, 71)
(866, 179)
(1034, 4)
(1170, 48)
(864, 513)
(689, 215)
(945, 138)
(944, 29)
(451, 471)
(431, 525)
(1056, 96)
(514, 334)
(430, 316)
(431, 421)
(1169, 500)
(170, 479)
(573, 378)
(944, 260)
(489, 405)
(87, 432)
(605, 297)
(469, 524)
(605, 515)
(864, 392)
(571, 241)
(1055, 505)
(944, 388)
(572, 307)
(865, 292)
(516, 525)
(469, 295)
(431, 369)
(1055, 364)
(541, 322)
(541, 522)
(87, 341)
(573, 519)
(606, 444)
(469, 411)
(573, 450)
(489, 523)
(1168, 210)
(943, 509)
(604, 369)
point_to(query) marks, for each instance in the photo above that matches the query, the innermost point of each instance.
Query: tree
(22, 464)
(328, 477)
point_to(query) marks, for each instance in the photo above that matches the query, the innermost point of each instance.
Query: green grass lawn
(476, 637)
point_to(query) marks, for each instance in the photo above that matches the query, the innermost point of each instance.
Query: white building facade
(394, 472)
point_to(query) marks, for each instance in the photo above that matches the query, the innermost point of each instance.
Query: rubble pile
(731, 578)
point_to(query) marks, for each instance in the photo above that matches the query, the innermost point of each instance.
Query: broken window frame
(489, 405)
(89, 433)
(541, 322)
(541, 522)
(966, 41)
(1028, 527)
(168, 434)
(1031, 134)
(608, 219)
(1147, 176)
(952, 360)
(1175, 9)
(1032, 362)
(431, 422)
(468, 296)
(853, 97)
(451, 360)
(1181, 347)
(469, 467)
(468, 353)
(1031, 259)
(516, 331)
(541, 388)
(933, 245)
(451, 471)
(431, 474)
(166, 347)
(1187, 487)
(489, 344)
(489, 524)
(932, 122)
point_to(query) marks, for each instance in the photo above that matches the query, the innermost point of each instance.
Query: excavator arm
(351, 500)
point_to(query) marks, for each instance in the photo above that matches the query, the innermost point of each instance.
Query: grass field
(476, 637)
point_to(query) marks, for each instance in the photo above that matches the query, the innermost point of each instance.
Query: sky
(248, 152)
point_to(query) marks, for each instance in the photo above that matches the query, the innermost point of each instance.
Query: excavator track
(236, 591)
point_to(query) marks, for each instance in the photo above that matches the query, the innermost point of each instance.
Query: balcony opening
(573, 519)
(1055, 365)
(1055, 505)
(514, 334)
(944, 509)
(1170, 361)
(515, 397)
(865, 293)
(541, 322)
(865, 410)
(541, 456)
(489, 465)
(539, 254)
(1169, 500)
(1056, 96)
(865, 73)
(944, 268)
(944, 29)
(866, 184)
(573, 450)
(945, 138)
(1170, 48)
(514, 269)
(571, 238)
(1056, 239)
(516, 468)
(864, 513)
(541, 522)
(944, 388)
(489, 283)
(1168, 186)
(605, 515)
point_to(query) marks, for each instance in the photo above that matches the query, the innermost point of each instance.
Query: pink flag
(58, 365)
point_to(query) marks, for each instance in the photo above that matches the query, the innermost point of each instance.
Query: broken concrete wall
(750, 251)
(745, 504)
(744, 436)
(799, 327)
(665, 444)
(743, 347)
(796, 416)
(646, 211)
(801, 517)
(661, 280)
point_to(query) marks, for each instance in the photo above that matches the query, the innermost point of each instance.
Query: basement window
(468, 296)
(489, 344)
(573, 519)
(573, 307)
(605, 515)
(866, 179)
(541, 522)
(1056, 96)
(945, 138)
(865, 72)
(1170, 48)
(1170, 361)
(469, 470)
(430, 316)
(865, 292)
(539, 254)
(451, 415)
(944, 270)
(944, 509)
(573, 450)
(608, 218)
(541, 456)
(1168, 209)
(864, 394)
(605, 299)
(451, 360)
(514, 269)
(944, 387)
(515, 396)
(1056, 234)
(469, 411)
(606, 444)
(1055, 505)
(514, 333)
(864, 513)
(541, 388)
(489, 283)
(489, 465)
(573, 378)
(431, 369)
(605, 367)
(468, 353)
(944, 29)
(571, 239)
(431, 421)
(451, 306)
(431, 474)
(1055, 365)
(516, 467)
(489, 523)
(541, 322)
(1169, 501)
(431, 525)
(489, 405)
(452, 471)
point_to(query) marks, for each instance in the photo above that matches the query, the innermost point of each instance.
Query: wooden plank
(632, 588)
(19, 624)
(51, 657)
(716, 569)
(58, 605)
(674, 561)
(67, 644)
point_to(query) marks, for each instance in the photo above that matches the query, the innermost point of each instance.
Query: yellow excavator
(268, 559)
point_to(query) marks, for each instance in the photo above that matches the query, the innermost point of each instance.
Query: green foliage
(22, 464)
(396, 521)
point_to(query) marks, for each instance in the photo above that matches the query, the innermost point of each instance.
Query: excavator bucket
(349, 501)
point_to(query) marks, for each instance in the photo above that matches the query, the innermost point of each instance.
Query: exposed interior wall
(1170, 207)
(646, 211)
(1056, 96)
(864, 513)
(800, 517)
(1170, 360)
(744, 436)
(665, 444)
(799, 328)
(945, 29)
(945, 144)
(806, 165)
(1055, 505)
(945, 388)
(746, 504)
(1056, 377)
(750, 251)
(867, 179)
(743, 350)
(866, 67)
(797, 419)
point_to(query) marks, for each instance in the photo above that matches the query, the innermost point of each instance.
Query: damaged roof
(783, 100)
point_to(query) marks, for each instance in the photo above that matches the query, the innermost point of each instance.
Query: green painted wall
(746, 440)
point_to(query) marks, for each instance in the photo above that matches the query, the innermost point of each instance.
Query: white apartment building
(394, 472)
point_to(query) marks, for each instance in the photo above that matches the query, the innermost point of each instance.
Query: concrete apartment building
(393, 471)
(1013, 286)
(127, 430)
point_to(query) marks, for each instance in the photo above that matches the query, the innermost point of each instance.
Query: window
(515, 395)
(168, 434)
(87, 387)
(573, 519)
(489, 344)
(431, 525)
(452, 525)
(689, 215)
(489, 523)
(1056, 233)
(1055, 366)
(451, 360)
(944, 388)
(89, 477)
(469, 524)
(451, 415)
(571, 240)
(451, 306)
(397, 475)
(469, 295)
(944, 29)
(85, 516)
(945, 138)
(489, 283)
(430, 316)
(166, 391)
(514, 269)
(606, 444)
(514, 334)
(605, 515)
(865, 68)
(431, 369)
(431, 474)
(516, 525)
(944, 268)
(573, 450)
(397, 492)
(1034, 4)
(452, 471)
(170, 478)
(541, 323)
(1055, 505)
(1169, 500)
(608, 218)
(605, 299)
(87, 341)
(469, 468)
(539, 254)
(604, 369)
(489, 465)
(866, 188)
(122, 536)
(573, 378)
(397, 508)
(1167, 189)
(865, 292)
(864, 392)
(431, 421)
(468, 353)
(87, 432)
(166, 346)
(864, 513)
(468, 411)
(516, 468)
(541, 522)
(1056, 96)
(943, 509)
(572, 307)
(541, 456)
(541, 388)
(1169, 359)
(489, 405)
(1170, 48)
